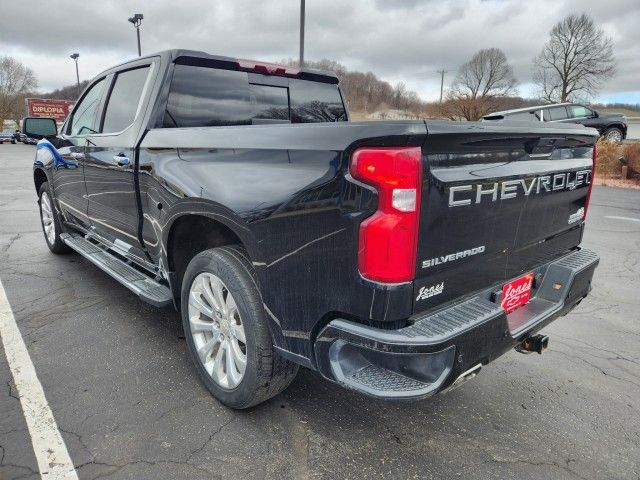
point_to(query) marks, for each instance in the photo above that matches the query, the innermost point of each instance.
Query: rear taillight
(389, 238)
(591, 180)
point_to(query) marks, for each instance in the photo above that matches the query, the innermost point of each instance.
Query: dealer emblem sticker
(428, 292)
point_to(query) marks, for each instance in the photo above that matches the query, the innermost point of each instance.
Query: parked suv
(7, 137)
(612, 126)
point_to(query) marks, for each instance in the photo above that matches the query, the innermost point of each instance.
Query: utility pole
(441, 72)
(301, 33)
(75, 56)
(136, 20)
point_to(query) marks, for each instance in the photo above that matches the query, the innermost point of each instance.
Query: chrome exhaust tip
(535, 343)
(463, 377)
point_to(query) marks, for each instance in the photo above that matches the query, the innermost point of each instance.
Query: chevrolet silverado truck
(395, 258)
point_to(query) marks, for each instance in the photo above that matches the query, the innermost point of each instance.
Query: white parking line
(48, 446)
(629, 219)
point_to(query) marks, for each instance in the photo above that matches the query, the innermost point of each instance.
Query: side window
(84, 115)
(526, 116)
(555, 113)
(315, 102)
(578, 111)
(124, 99)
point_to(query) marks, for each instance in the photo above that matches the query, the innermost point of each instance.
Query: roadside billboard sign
(44, 107)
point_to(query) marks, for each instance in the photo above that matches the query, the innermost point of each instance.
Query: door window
(84, 115)
(555, 113)
(528, 116)
(124, 99)
(578, 111)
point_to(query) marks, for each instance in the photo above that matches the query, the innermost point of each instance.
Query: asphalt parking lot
(128, 404)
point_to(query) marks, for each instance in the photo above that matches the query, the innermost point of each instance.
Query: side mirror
(35, 127)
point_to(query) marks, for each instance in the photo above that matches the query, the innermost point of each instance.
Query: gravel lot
(117, 377)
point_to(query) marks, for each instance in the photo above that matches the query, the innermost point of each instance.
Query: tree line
(365, 92)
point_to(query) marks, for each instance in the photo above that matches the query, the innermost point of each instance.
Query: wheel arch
(39, 177)
(616, 125)
(193, 232)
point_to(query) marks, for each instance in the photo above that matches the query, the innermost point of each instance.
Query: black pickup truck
(394, 257)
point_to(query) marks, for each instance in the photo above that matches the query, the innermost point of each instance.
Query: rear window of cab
(201, 96)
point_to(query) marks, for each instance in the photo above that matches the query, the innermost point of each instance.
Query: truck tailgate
(496, 201)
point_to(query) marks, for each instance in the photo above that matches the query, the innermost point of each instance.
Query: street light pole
(136, 20)
(301, 33)
(75, 56)
(441, 72)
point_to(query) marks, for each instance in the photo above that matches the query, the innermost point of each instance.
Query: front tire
(613, 135)
(51, 224)
(226, 330)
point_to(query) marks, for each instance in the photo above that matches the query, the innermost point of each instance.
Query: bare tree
(487, 74)
(399, 95)
(16, 81)
(483, 78)
(575, 61)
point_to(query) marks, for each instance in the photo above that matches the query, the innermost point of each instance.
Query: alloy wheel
(46, 213)
(217, 330)
(614, 136)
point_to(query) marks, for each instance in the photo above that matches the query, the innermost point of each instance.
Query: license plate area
(516, 293)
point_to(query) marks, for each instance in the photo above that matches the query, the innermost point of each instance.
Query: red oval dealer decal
(516, 293)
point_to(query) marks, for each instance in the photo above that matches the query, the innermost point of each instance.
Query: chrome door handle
(77, 155)
(121, 160)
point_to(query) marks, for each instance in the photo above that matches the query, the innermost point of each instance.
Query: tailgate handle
(541, 147)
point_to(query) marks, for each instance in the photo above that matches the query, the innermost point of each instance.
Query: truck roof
(526, 109)
(192, 56)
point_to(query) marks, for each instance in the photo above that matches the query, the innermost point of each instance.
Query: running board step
(142, 285)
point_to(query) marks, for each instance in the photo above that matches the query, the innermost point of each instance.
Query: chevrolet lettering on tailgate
(462, 195)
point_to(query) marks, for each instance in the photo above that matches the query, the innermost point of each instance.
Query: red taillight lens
(389, 238)
(591, 180)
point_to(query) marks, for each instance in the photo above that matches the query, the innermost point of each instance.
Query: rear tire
(254, 371)
(50, 221)
(613, 135)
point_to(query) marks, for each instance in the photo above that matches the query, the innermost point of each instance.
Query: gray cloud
(406, 40)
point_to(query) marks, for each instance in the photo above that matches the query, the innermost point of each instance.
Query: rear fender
(224, 216)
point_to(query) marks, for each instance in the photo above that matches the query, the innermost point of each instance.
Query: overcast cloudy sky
(399, 40)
